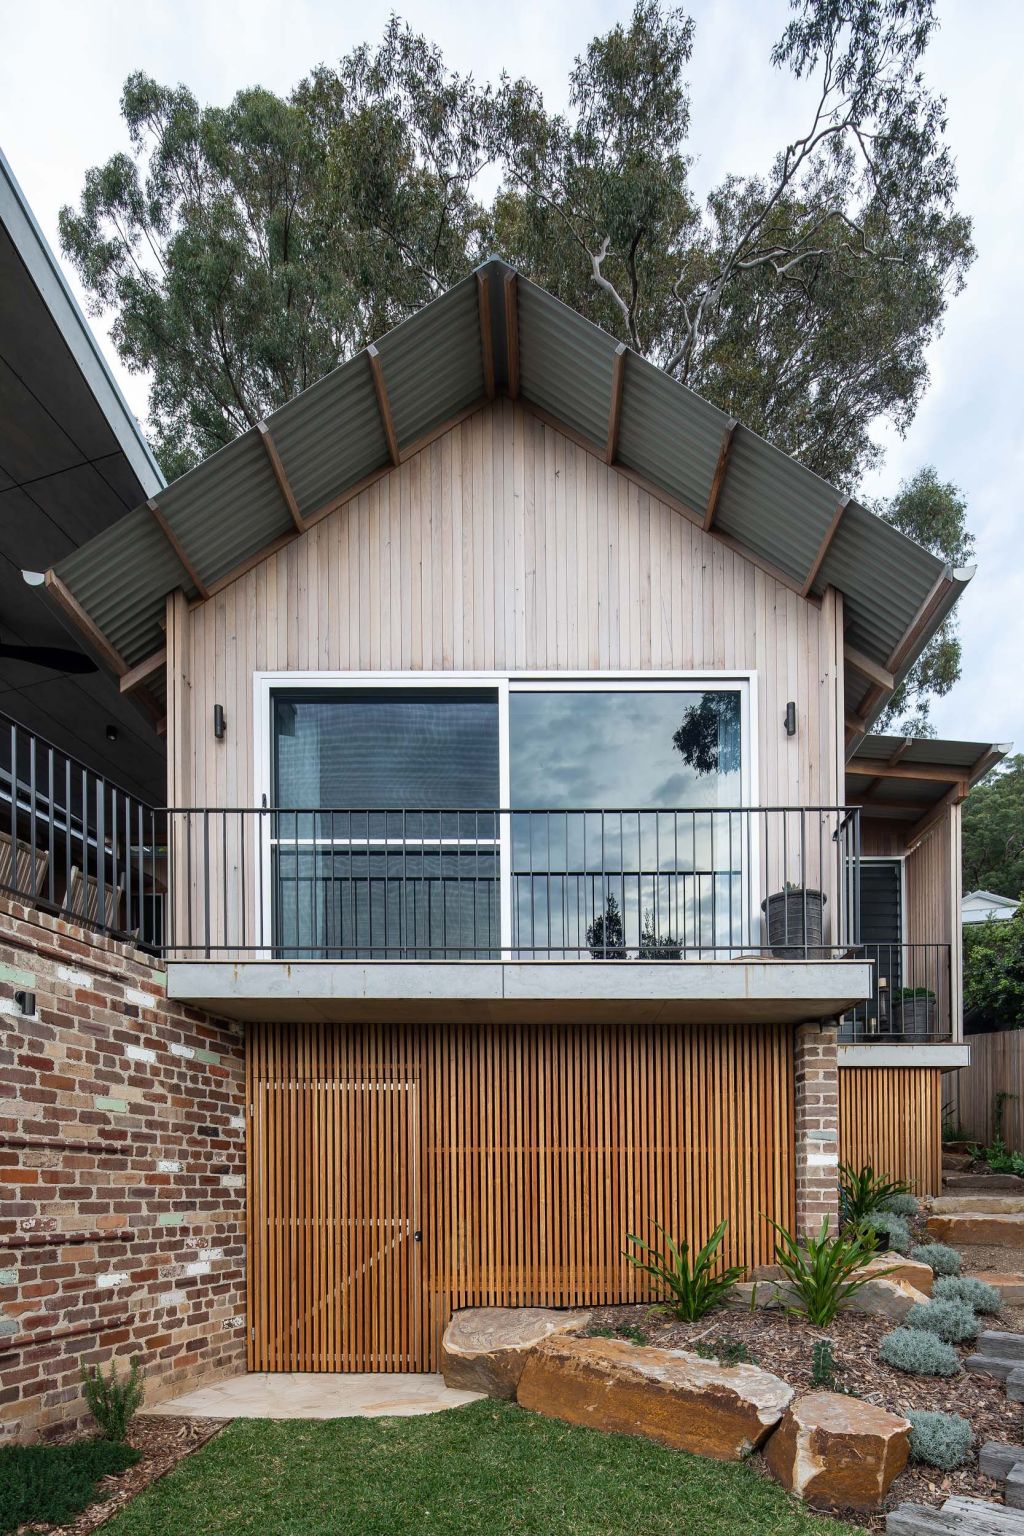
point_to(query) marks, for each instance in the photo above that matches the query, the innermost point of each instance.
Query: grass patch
(488, 1469)
(51, 1484)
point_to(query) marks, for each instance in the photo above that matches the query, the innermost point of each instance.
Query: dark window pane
(387, 750)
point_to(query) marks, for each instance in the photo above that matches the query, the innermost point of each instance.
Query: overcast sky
(62, 67)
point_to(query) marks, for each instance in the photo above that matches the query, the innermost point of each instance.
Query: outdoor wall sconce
(789, 719)
(26, 1002)
(111, 732)
(219, 724)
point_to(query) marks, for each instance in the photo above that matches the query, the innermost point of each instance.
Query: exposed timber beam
(920, 622)
(823, 547)
(512, 333)
(868, 668)
(280, 476)
(387, 421)
(987, 760)
(611, 447)
(856, 725)
(76, 614)
(931, 773)
(179, 549)
(718, 479)
(483, 298)
(901, 751)
(143, 670)
(899, 808)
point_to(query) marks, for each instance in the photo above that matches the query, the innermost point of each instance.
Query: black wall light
(789, 719)
(26, 1002)
(219, 723)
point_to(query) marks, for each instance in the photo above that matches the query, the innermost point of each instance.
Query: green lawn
(489, 1469)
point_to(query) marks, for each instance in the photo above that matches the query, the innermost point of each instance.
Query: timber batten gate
(397, 1173)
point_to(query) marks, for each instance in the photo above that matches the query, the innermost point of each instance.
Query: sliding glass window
(624, 838)
(385, 830)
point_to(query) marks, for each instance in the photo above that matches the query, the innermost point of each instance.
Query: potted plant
(795, 919)
(914, 1011)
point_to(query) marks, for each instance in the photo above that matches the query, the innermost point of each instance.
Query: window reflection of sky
(610, 749)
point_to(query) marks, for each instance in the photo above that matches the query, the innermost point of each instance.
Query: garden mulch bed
(783, 1345)
(161, 1443)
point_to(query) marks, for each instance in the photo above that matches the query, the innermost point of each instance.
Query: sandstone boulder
(484, 1349)
(902, 1271)
(975, 1227)
(838, 1452)
(1010, 1286)
(667, 1395)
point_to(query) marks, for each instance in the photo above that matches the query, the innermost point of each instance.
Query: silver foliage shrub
(903, 1204)
(953, 1321)
(940, 1258)
(940, 1439)
(976, 1294)
(894, 1227)
(923, 1354)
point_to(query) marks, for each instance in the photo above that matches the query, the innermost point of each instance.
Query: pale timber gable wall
(504, 545)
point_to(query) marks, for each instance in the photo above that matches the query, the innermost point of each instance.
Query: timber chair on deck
(22, 868)
(83, 900)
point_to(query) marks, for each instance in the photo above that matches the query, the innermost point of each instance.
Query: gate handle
(417, 1237)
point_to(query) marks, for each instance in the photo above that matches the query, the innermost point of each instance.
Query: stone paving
(288, 1395)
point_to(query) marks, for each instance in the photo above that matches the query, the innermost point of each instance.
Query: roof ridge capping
(497, 333)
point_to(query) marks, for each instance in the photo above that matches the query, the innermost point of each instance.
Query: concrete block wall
(122, 1175)
(816, 1126)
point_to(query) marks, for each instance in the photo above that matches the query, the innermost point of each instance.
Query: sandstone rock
(484, 1349)
(667, 1395)
(903, 1271)
(838, 1452)
(884, 1297)
(969, 1227)
(977, 1204)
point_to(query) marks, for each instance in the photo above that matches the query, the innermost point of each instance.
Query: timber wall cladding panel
(522, 1154)
(970, 1096)
(890, 1118)
(503, 545)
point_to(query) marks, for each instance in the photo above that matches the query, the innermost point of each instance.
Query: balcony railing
(911, 998)
(75, 844)
(613, 884)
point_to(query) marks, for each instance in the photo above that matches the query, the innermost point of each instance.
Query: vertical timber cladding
(890, 1118)
(520, 1154)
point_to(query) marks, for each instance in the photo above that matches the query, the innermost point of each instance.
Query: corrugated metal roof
(905, 797)
(122, 577)
(933, 750)
(432, 363)
(330, 437)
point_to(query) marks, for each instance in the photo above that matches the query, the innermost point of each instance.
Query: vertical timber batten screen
(521, 1155)
(891, 1119)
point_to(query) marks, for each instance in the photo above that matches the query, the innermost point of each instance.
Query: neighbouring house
(527, 870)
(985, 906)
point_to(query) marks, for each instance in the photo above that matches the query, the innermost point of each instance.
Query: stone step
(991, 1365)
(998, 1342)
(956, 1162)
(998, 1230)
(957, 1517)
(960, 1183)
(1015, 1385)
(1010, 1285)
(978, 1204)
(997, 1457)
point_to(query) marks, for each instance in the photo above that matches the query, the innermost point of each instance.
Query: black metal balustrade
(613, 884)
(911, 997)
(75, 844)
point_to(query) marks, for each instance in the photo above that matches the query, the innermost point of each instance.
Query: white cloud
(63, 65)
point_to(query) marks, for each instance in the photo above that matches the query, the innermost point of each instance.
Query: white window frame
(266, 684)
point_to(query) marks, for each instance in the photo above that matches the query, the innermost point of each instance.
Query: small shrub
(822, 1270)
(940, 1258)
(939, 1439)
(51, 1484)
(973, 1293)
(922, 1354)
(823, 1365)
(113, 1400)
(894, 1227)
(694, 1288)
(902, 1204)
(725, 1351)
(863, 1192)
(953, 1321)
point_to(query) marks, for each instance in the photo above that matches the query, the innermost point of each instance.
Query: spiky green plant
(113, 1400)
(694, 1287)
(823, 1270)
(862, 1192)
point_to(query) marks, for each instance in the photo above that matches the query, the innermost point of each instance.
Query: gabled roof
(990, 899)
(498, 333)
(912, 779)
(73, 461)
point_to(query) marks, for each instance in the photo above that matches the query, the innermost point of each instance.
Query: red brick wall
(816, 1126)
(122, 1166)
